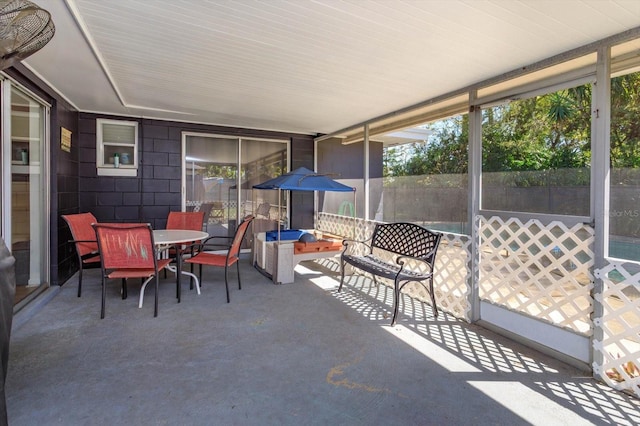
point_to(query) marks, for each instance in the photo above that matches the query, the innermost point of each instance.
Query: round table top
(175, 236)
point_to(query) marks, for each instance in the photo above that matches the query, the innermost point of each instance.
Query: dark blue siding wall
(156, 190)
(148, 197)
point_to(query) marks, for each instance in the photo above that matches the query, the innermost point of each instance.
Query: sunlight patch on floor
(323, 281)
(436, 353)
(530, 405)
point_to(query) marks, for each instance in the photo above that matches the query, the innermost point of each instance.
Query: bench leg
(433, 297)
(341, 275)
(396, 302)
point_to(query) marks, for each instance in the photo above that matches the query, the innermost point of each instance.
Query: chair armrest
(94, 252)
(198, 247)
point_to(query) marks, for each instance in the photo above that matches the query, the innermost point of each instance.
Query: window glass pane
(219, 176)
(624, 202)
(118, 133)
(211, 166)
(536, 154)
(263, 160)
(425, 181)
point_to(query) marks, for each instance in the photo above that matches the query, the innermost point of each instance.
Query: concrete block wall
(155, 191)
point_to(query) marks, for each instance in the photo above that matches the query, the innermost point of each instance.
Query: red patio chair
(201, 257)
(184, 220)
(205, 208)
(84, 238)
(128, 251)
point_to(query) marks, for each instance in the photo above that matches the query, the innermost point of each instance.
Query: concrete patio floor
(294, 354)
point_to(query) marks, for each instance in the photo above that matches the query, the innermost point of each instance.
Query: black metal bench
(414, 249)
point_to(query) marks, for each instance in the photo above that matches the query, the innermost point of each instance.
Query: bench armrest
(403, 259)
(353, 244)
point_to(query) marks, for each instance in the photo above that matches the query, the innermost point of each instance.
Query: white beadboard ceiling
(300, 65)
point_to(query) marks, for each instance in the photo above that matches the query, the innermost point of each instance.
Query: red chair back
(81, 230)
(126, 245)
(234, 250)
(185, 220)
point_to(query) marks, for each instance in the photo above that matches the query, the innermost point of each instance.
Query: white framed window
(117, 147)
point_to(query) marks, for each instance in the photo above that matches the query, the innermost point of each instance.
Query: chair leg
(191, 279)
(238, 267)
(104, 296)
(80, 279)
(226, 282)
(341, 275)
(124, 288)
(155, 307)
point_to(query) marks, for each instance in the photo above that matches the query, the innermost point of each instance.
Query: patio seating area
(300, 353)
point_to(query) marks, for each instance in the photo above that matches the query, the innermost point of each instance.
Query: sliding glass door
(219, 173)
(24, 187)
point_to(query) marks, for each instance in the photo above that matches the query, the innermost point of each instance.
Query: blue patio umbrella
(303, 179)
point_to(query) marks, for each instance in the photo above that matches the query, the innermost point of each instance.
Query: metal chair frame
(128, 251)
(201, 257)
(84, 239)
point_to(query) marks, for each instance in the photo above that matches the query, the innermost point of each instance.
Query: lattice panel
(452, 265)
(453, 275)
(540, 270)
(344, 226)
(620, 323)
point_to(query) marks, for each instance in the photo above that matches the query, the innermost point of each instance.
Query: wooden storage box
(317, 246)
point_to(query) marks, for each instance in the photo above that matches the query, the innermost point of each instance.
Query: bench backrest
(406, 239)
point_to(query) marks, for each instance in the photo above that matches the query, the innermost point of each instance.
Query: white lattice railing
(619, 348)
(542, 270)
(452, 274)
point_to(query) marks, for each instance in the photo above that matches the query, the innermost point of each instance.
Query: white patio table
(176, 238)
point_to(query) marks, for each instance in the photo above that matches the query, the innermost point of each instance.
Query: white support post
(366, 173)
(475, 192)
(600, 180)
(5, 204)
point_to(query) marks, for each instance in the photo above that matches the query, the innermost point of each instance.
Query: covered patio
(283, 354)
(248, 90)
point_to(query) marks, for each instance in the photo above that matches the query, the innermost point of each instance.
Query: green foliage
(625, 121)
(544, 133)
(221, 171)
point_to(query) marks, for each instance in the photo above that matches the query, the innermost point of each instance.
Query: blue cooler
(285, 235)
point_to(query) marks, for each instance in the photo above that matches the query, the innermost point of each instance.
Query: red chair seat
(212, 259)
(138, 272)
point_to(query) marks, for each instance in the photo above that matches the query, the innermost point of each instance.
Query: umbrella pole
(355, 213)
